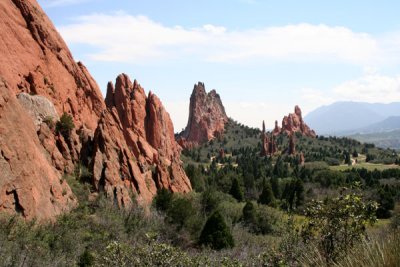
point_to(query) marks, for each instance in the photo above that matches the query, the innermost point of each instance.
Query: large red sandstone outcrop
(207, 118)
(131, 151)
(35, 59)
(135, 150)
(294, 123)
(29, 184)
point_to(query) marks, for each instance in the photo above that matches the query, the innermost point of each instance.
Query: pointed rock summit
(269, 146)
(294, 123)
(135, 150)
(207, 118)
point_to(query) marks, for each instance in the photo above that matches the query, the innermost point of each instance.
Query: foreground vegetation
(98, 234)
(245, 210)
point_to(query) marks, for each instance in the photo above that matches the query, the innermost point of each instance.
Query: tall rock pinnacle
(207, 118)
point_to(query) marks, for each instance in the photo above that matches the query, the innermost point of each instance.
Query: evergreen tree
(65, 125)
(249, 213)
(276, 188)
(163, 199)
(267, 196)
(236, 191)
(347, 159)
(299, 191)
(216, 233)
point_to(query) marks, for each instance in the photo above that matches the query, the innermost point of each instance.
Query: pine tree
(249, 213)
(236, 191)
(276, 188)
(299, 191)
(267, 196)
(216, 233)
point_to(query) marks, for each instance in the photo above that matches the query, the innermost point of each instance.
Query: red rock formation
(131, 143)
(302, 159)
(277, 129)
(294, 123)
(29, 184)
(207, 118)
(135, 150)
(269, 146)
(35, 59)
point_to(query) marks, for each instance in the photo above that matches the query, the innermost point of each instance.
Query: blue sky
(262, 57)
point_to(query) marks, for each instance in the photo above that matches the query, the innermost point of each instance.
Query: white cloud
(58, 3)
(370, 88)
(125, 38)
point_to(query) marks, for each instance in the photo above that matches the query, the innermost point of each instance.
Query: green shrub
(65, 125)
(86, 259)
(49, 121)
(163, 199)
(249, 213)
(236, 191)
(216, 233)
(179, 211)
(337, 224)
(267, 196)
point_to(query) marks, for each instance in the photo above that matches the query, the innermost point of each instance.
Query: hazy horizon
(263, 58)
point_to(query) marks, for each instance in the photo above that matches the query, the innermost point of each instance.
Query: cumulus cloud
(126, 38)
(370, 88)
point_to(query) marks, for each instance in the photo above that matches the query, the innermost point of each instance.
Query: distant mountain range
(370, 122)
(343, 118)
(390, 139)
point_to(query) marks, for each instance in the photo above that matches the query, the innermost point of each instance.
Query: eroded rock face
(207, 118)
(29, 184)
(294, 123)
(127, 141)
(39, 107)
(36, 60)
(135, 152)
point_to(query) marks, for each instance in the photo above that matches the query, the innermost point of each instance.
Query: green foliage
(328, 178)
(65, 125)
(337, 224)
(86, 259)
(180, 211)
(347, 158)
(267, 196)
(116, 254)
(236, 191)
(196, 177)
(216, 233)
(276, 187)
(293, 194)
(386, 203)
(163, 199)
(249, 213)
(49, 121)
